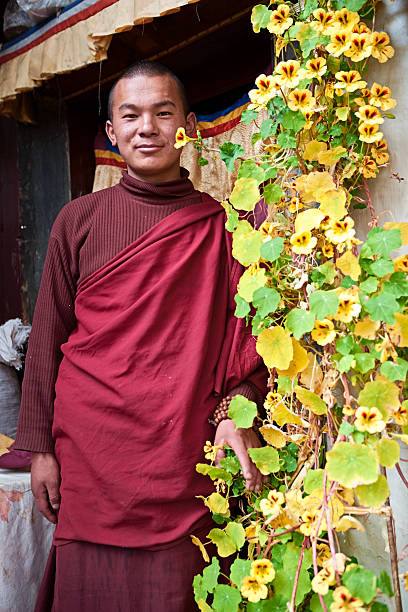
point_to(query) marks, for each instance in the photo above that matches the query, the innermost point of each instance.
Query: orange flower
(324, 21)
(343, 601)
(369, 420)
(369, 114)
(301, 99)
(280, 20)
(368, 167)
(253, 590)
(316, 67)
(308, 115)
(361, 28)
(295, 205)
(346, 20)
(327, 250)
(323, 332)
(379, 152)
(369, 132)
(349, 80)
(401, 264)
(339, 43)
(181, 138)
(381, 50)
(381, 96)
(289, 73)
(400, 416)
(303, 243)
(340, 231)
(267, 89)
(360, 47)
(364, 97)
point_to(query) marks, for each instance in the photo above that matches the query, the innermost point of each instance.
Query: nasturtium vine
(330, 316)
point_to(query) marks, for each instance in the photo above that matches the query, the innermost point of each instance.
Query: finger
(248, 467)
(54, 496)
(41, 500)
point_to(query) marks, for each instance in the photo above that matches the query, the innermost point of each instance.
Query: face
(146, 113)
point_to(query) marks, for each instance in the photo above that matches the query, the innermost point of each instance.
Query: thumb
(54, 496)
(220, 455)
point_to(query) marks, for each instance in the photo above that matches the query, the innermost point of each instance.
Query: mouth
(146, 147)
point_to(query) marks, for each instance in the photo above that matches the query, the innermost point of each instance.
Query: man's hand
(240, 440)
(45, 482)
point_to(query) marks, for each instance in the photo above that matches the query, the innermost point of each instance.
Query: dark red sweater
(88, 232)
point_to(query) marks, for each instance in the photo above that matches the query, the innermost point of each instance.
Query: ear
(110, 132)
(191, 124)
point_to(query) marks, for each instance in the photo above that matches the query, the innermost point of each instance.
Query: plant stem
(295, 586)
(404, 480)
(393, 553)
(374, 220)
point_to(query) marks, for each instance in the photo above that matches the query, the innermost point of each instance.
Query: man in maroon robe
(133, 345)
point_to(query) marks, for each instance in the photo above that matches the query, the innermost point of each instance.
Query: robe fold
(155, 346)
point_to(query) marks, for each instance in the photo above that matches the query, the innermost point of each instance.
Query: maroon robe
(155, 347)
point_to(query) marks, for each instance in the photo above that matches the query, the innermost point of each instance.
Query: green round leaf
(311, 400)
(300, 322)
(395, 370)
(323, 303)
(272, 193)
(249, 169)
(226, 598)
(272, 249)
(242, 411)
(237, 534)
(265, 300)
(388, 452)
(225, 546)
(245, 194)
(374, 495)
(382, 308)
(239, 569)
(266, 459)
(352, 464)
(361, 583)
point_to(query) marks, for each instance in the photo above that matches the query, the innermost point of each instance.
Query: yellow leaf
(314, 501)
(245, 194)
(399, 331)
(403, 227)
(283, 416)
(342, 112)
(367, 328)
(308, 220)
(330, 157)
(203, 606)
(201, 546)
(299, 361)
(332, 204)
(349, 522)
(312, 186)
(348, 264)
(311, 400)
(275, 347)
(312, 376)
(5, 443)
(312, 149)
(217, 504)
(251, 281)
(388, 452)
(273, 436)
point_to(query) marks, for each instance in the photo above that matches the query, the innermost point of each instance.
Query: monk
(133, 346)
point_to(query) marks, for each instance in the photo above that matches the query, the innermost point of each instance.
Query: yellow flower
(361, 28)
(340, 231)
(289, 73)
(346, 20)
(339, 43)
(343, 601)
(271, 149)
(272, 505)
(324, 21)
(267, 89)
(310, 520)
(386, 350)
(369, 114)
(263, 570)
(309, 121)
(369, 132)
(381, 96)
(349, 305)
(295, 205)
(348, 410)
(323, 580)
(349, 80)
(368, 167)
(364, 97)
(315, 67)
(379, 152)
(360, 47)
(400, 416)
(323, 553)
(323, 332)
(327, 250)
(272, 400)
(211, 451)
(181, 138)
(369, 419)
(303, 243)
(253, 590)
(280, 20)
(381, 50)
(280, 44)
(301, 99)
(401, 264)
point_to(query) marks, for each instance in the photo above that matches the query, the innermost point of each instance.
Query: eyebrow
(130, 106)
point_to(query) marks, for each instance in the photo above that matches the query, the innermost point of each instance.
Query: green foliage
(382, 307)
(361, 583)
(352, 464)
(300, 322)
(272, 193)
(230, 152)
(226, 598)
(323, 303)
(242, 411)
(266, 459)
(272, 249)
(242, 308)
(384, 584)
(249, 169)
(213, 472)
(265, 300)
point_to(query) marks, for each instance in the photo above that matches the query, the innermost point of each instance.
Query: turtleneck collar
(162, 193)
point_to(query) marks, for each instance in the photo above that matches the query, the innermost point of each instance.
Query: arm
(53, 321)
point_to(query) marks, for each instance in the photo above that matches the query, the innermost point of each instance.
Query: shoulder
(76, 216)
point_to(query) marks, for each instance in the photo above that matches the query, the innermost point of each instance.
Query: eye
(164, 113)
(129, 116)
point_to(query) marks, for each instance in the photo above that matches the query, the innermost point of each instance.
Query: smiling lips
(148, 147)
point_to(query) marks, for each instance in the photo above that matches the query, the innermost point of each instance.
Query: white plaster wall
(391, 198)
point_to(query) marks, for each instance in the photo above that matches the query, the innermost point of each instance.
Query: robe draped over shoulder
(155, 345)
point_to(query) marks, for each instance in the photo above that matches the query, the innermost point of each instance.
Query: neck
(173, 174)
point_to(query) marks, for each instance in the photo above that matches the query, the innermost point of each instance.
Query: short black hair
(148, 68)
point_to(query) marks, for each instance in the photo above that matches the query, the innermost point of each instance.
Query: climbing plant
(330, 314)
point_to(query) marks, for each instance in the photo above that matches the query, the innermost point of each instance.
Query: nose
(148, 125)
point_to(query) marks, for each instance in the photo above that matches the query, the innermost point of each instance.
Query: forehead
(144, 91)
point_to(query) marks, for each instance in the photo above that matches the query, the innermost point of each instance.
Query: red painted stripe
(105, 161)
(221, 128)
(59, 27)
